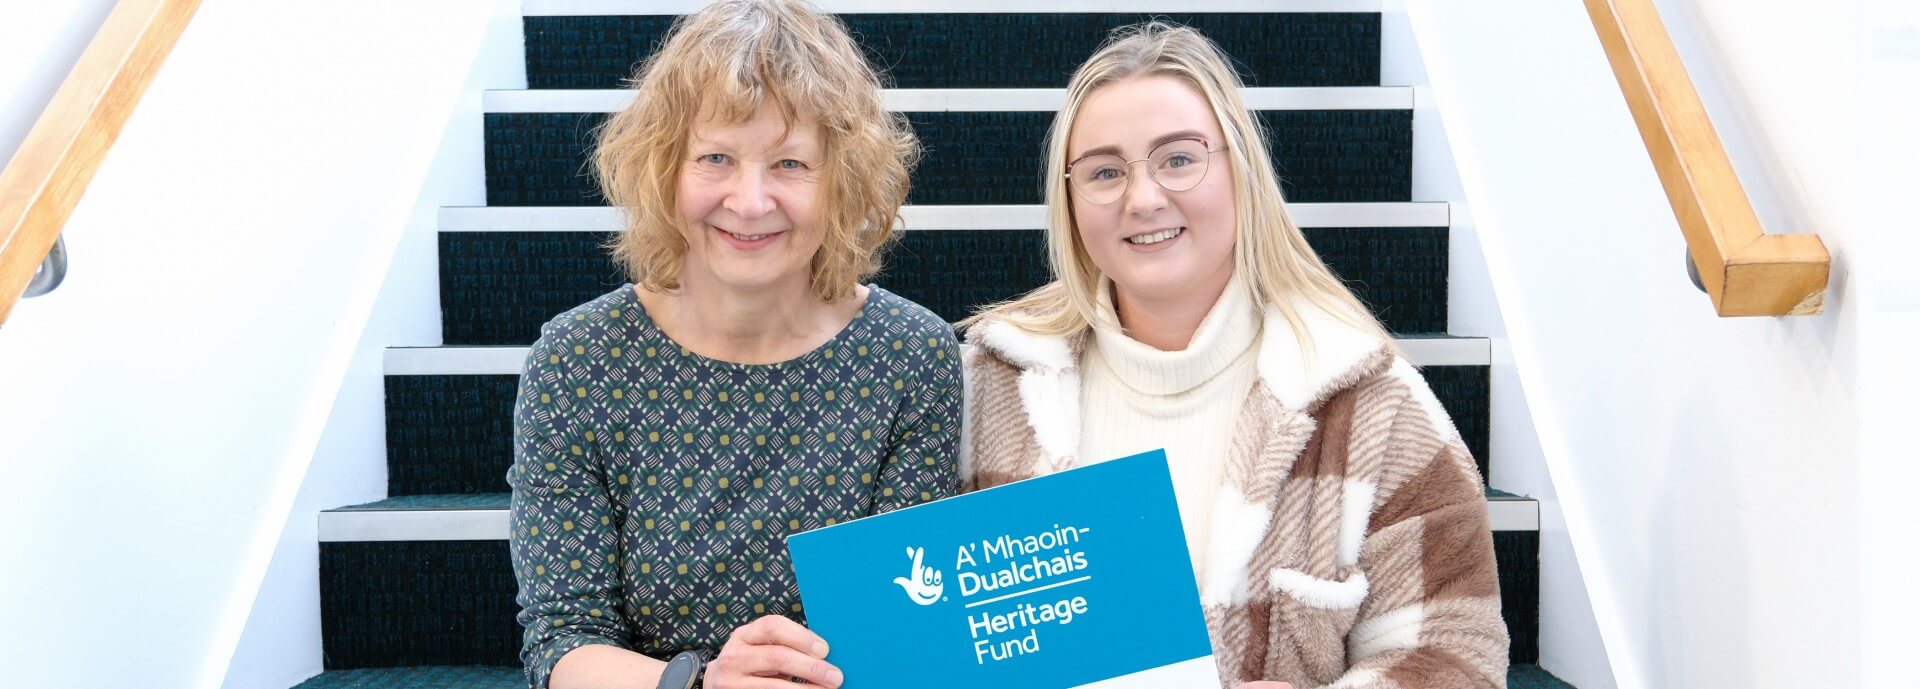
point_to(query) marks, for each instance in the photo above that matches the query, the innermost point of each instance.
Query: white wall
(1569, 638)
(162, 406)
(1721, 480)
(281, 644)
(1889, 295)
(39, 42)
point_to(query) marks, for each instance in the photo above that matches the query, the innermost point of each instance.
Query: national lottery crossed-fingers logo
(923, 585)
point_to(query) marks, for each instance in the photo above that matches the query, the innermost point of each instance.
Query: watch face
(680, 672)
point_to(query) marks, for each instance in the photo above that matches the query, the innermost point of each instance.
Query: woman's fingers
(767, 652)
(784, 662)
(780, 631)
(755, 683)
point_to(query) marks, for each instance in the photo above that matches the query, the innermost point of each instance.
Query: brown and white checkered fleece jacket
(1350, 545)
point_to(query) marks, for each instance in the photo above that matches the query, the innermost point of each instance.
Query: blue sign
(1076, 579)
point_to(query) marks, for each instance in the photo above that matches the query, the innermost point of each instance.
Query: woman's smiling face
(1155, 244)
(749, 202)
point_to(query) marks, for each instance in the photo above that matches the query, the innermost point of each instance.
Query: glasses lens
(1100, 179)
(1179, 165)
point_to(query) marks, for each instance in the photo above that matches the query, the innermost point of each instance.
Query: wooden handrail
(48, 174)
(1745, 271)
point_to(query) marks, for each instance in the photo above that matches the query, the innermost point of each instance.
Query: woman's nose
(1143, 195)
(747, 195)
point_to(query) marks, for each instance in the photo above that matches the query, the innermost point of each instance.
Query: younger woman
(1335, 520)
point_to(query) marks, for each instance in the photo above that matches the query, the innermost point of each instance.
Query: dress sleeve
(923, 456)
(563, 541)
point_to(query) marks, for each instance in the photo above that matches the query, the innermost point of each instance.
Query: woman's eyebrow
(1163, 138)
(793, 145)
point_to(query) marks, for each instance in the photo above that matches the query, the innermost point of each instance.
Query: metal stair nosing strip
(362, 524)
(465, 360)
(1511, 513)
(595, 8)
(553, 101)
(918, 218)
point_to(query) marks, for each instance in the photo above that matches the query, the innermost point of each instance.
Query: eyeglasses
(1176, 165)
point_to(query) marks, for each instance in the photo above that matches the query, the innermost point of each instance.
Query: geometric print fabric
(653, 488)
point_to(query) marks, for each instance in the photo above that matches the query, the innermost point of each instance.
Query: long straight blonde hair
(1269, 248)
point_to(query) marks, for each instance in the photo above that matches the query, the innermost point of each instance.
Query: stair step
(972, 100)
(976, 158)
(457, 360)
(506, 270)
(499, 287)
(443, 517)
(451, 602)
(918, 218)
(1532, 677)
(483, 517)
(430, 677)
(486, 677)
(452, 432)
(589, 8)
(990, 44)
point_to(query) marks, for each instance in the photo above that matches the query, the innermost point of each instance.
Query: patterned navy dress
(653, 488)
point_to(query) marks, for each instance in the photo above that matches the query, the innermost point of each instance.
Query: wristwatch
(683, 670)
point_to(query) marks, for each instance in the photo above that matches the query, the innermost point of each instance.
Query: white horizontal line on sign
(1018, 594)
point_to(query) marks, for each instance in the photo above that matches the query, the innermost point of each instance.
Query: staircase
(416, 589)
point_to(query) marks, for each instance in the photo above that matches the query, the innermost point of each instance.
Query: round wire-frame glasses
(1176, 165)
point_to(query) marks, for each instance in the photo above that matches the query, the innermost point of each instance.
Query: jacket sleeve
(923, 456)
(564, 545)
(1431, 618)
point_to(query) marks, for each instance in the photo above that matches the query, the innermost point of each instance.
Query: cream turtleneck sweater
(1134, 398)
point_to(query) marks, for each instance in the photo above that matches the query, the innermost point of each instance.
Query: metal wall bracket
(52, 271)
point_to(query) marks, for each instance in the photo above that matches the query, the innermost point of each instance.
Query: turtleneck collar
(1230, 331)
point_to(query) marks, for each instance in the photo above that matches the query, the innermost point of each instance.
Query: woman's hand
(1263, 684)
(765, 653)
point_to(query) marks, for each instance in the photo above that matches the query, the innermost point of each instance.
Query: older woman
(1334, 517)
(671, 434)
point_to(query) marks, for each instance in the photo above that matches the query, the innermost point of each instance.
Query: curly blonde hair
(724, 62)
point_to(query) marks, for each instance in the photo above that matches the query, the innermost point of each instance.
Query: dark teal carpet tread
(1516, 557)
(482, 677)
(990, 50)
(449, 434)
(426, 503)
(438, 677)
(496, 288)
(1463, 391)
(417, 603)
(454, 433)
(972, 158)
(1497, 494)
(1532, 677)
